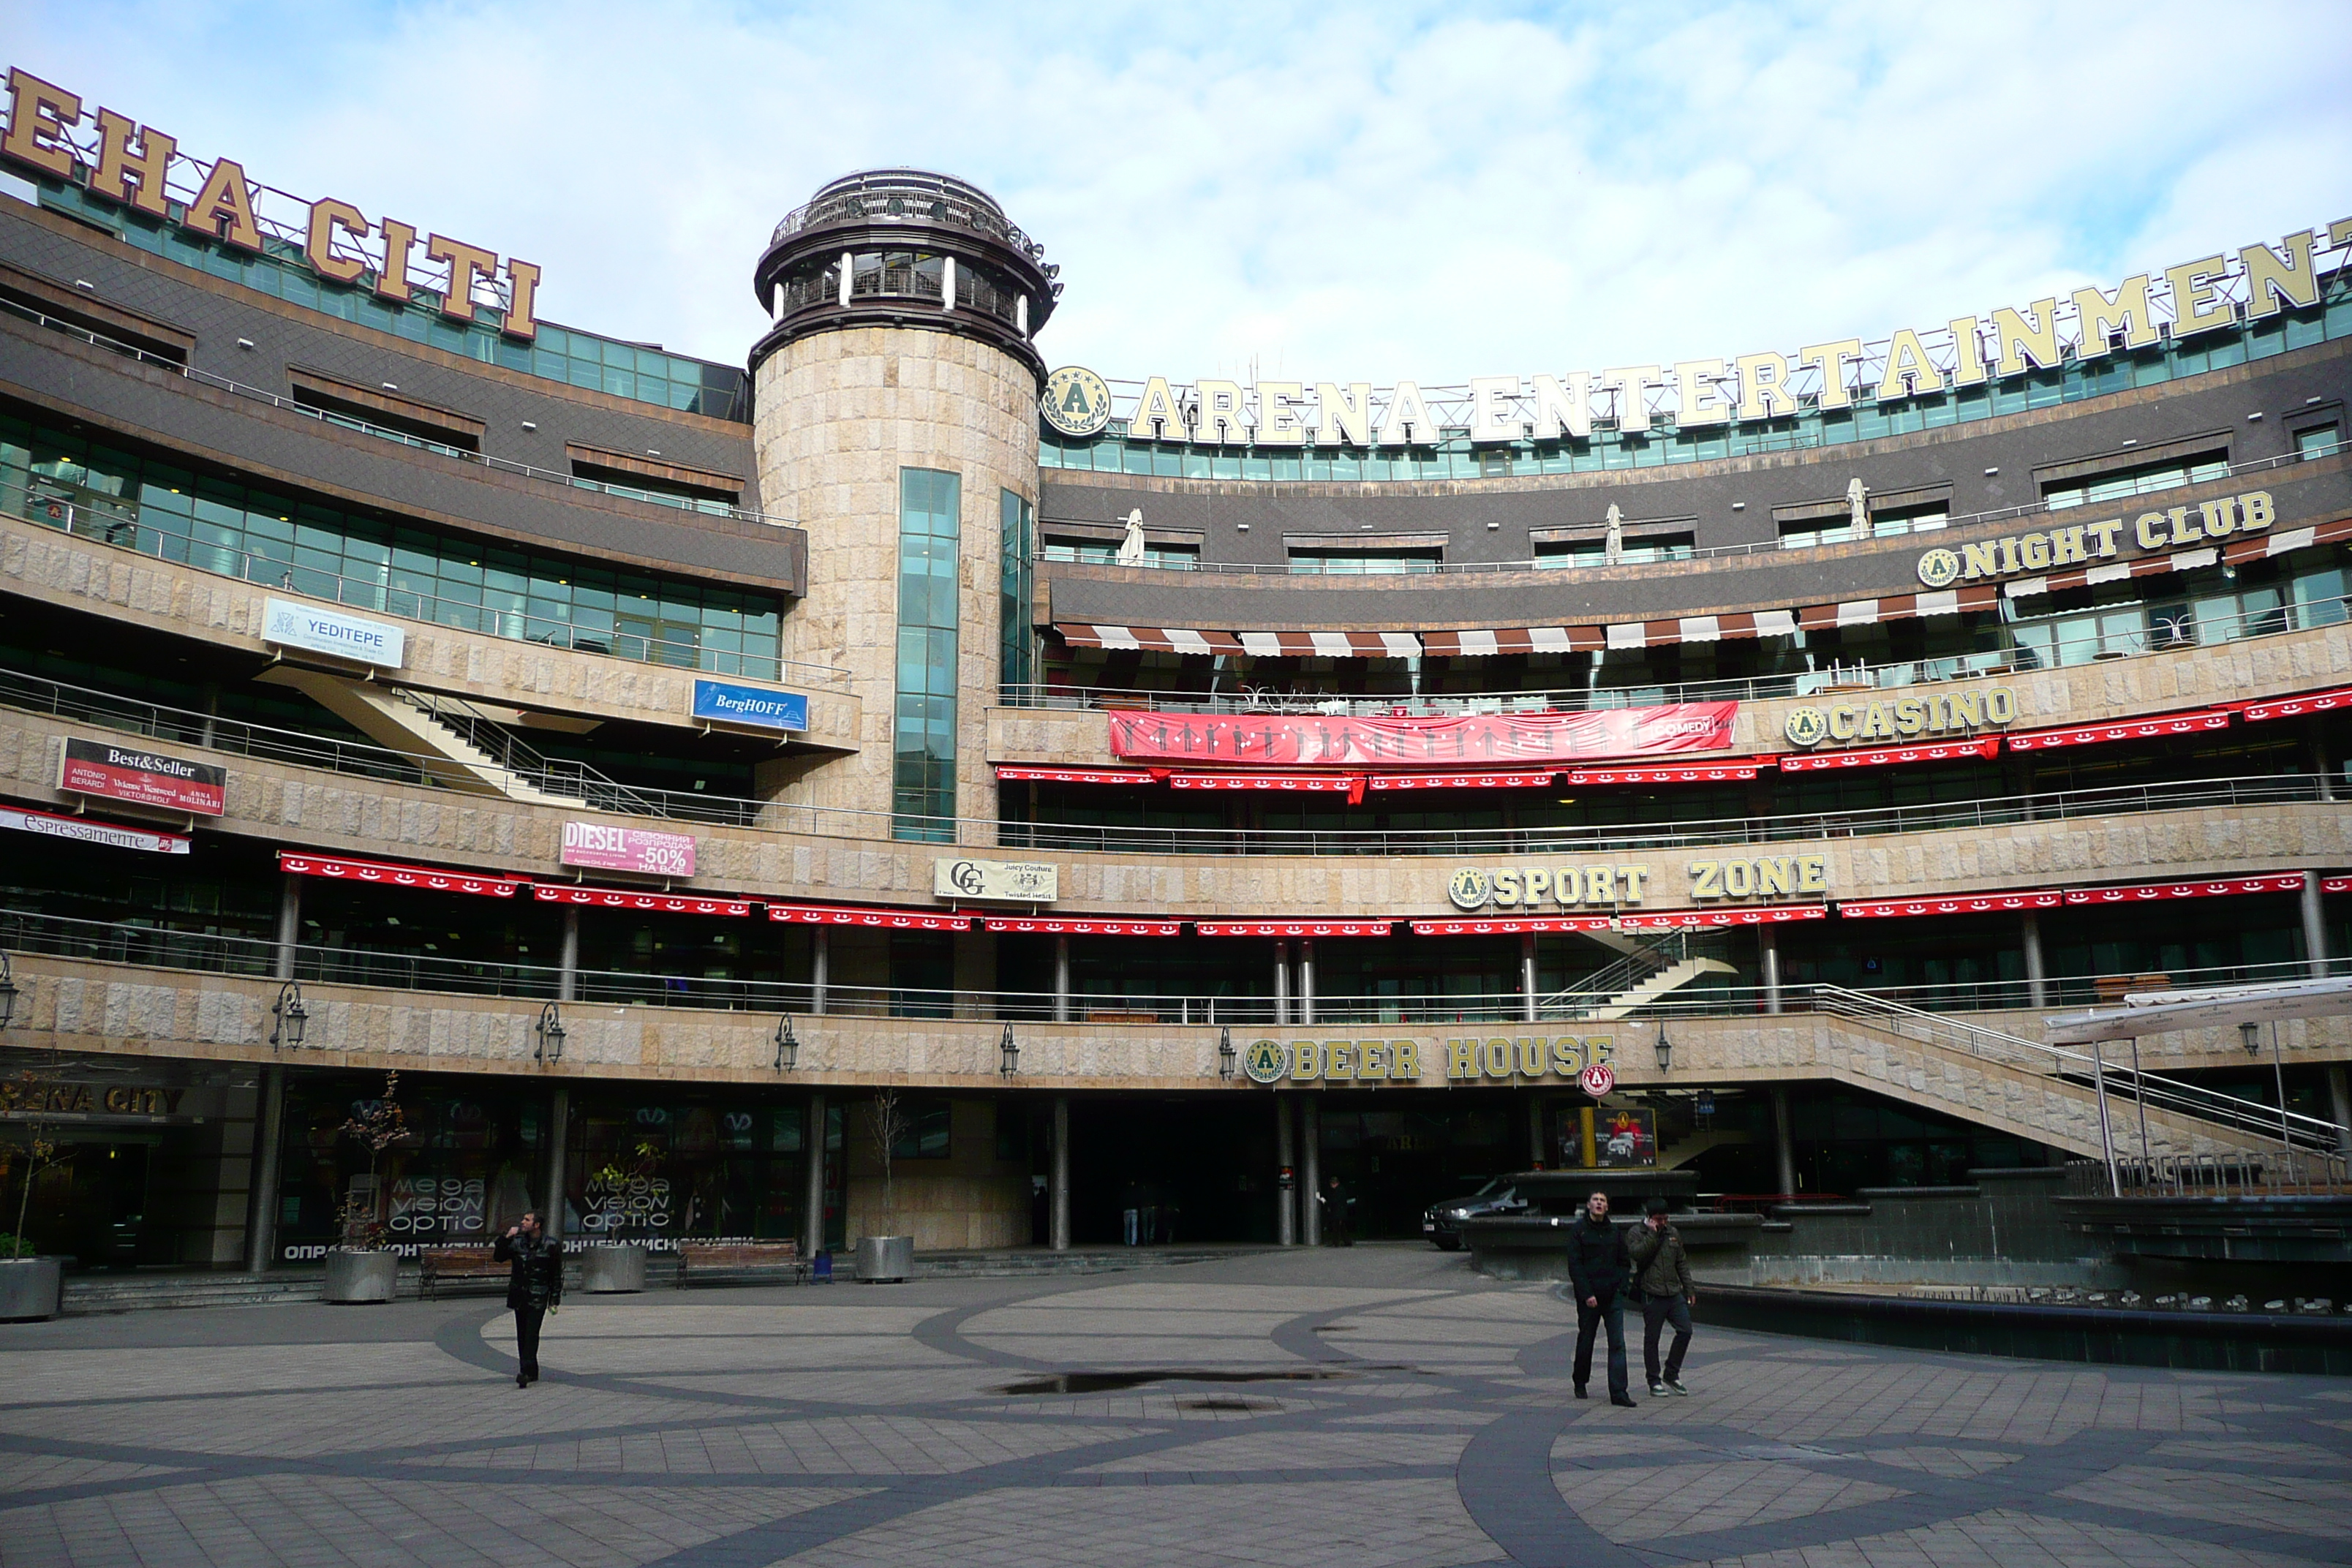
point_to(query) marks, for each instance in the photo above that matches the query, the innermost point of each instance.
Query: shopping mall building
(1146, 796)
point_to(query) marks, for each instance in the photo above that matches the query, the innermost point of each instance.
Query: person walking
(1661, 1273)
(1337, 1205)
(1598, 1270)
(534, 1285)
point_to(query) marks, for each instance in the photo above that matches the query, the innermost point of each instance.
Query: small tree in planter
(30, 1285)
(618, 1267)
(361, 1270)
(888, 1124)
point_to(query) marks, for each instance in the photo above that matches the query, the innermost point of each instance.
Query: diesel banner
(1475, 739)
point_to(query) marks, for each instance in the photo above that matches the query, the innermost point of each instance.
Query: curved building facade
(906, 784)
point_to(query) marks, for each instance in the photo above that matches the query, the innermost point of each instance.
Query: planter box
(613, 1270)
(357, 1277)
(31, 1288)
(885, 1260)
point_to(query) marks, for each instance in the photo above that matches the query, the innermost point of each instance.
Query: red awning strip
(1052, 927)
(2295, 707)
(1506, 925)
(1075, 776)
(1974, 904)
(628, 899)
(1155, 639)
(1333, 784)
(2150, 892)
(1672, 773)
(1884, 756)
(1759, 915)
(392, 874)
(874, 919)
(2161, 725)
(1461, 781)
(1293, 928)
(2336, 884)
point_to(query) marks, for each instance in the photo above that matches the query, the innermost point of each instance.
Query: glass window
(924, 748)
(2318, 442)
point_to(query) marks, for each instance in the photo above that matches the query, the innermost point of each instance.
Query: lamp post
(293, 1017)
(2249, 1035)
(788, 1045)
(7, 991)
(1008, 1053)
(1226, 1054)
(549, 1030)
(1665, 1048)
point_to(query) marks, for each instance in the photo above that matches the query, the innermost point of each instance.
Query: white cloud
(1365, 192)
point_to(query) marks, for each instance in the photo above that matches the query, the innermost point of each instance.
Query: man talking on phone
(534, 1284)
(1661, 1275)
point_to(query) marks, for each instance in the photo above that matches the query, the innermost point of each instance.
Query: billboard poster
(1472, 740)
(598, 847)
(143, 778)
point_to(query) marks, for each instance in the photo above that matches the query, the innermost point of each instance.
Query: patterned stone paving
(919, 1423)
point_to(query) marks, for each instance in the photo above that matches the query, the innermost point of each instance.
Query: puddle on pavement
(1116, 1381)
(1243, 1407)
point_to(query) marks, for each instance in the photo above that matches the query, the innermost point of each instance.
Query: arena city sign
(2207, 293)
(2078, 544)
(1605, 889)
(1945, 714)
(119, 161)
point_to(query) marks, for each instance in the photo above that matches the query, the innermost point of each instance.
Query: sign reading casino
(1469, 740)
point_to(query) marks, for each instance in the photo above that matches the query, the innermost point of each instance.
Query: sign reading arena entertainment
(142, 778)
(642, 850)
(290, 625)
(1293, 740)
(137, 166)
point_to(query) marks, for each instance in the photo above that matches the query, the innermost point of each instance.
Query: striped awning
(1051, 926)
(392, 874)
(2156, 726)
(2299, 705)
(870, 918)
(1460, 781)
(1307, 783)
(629, 898)
(1153, 640)
(1671, 772)
(1885, 756)
(1293, 928)
(1005, 774)
(1975, 904)
(1330, 645)
(2157, 893)
(1738, 915)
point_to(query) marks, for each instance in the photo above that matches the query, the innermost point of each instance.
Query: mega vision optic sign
(142, 168)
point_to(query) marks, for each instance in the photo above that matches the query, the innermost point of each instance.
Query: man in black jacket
(534, 1283)
(1598, 1270)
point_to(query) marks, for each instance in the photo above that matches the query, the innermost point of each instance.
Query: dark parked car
(1441, 1222)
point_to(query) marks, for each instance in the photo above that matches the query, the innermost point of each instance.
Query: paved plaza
(1417, 1414)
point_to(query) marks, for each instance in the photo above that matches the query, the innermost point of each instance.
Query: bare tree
(887, 1121)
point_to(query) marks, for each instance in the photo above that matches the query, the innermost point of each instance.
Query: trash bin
(611, 1271)
(885, 1260)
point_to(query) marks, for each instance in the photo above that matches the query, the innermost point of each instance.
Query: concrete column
(2315, 927)
(1282, 982)
(2340, 1100)
(1535, 1155)
(559, 1132)
(1527, 975)
(813, 1188)
(1767, 946)
(1306, 981)
(1285, 1158)
(1059, 1194)
(567, 979)
(2037, 971)
(1784, 1139)
(1061, 979)
(290, 923)
(2322, 763)
(820, 963)
(261, 1197)
(1310, 1182)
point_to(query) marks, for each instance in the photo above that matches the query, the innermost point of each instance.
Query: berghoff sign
(2081, 544)
(2204, 294)
(1615, 885)
(1010, 881)
(1518, 1058)
(1473, 740)
(132, 165)
(1902, 718)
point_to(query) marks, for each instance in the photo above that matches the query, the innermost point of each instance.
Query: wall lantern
(2249, 1034)
(1008, 1054)
(1665, 1048)
(293, 1017)
(549, 1030)
(7, 991)
(788, 1045)
(1225, 1053)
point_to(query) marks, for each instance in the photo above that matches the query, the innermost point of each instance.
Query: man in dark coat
(534, 1284)
(1662, 1280)
(1599, 1269)
(1338, 1217)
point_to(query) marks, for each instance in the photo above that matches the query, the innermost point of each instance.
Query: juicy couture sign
(137, 167)
(1307, 740)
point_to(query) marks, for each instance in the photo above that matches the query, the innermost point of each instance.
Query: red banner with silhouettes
(1482, 739)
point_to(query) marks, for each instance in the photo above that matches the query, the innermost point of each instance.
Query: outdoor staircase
(1648, 970)
(1681, 972)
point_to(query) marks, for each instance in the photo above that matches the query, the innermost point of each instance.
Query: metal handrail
(549, 776)
(1605, 985)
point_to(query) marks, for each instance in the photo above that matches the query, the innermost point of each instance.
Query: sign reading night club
(288, 624)
(597, 847)
(1292, 739)
(2082, 543)
(137, 167)
(1561, 1058)
(762, 706)
(142, 778)
(1013, 881)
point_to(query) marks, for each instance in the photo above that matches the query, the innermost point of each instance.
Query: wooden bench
(456, 1263)
(2116, 987)
(740, 1263)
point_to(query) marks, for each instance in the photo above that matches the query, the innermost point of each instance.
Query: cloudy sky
(1369, 192)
